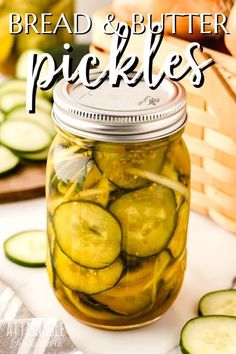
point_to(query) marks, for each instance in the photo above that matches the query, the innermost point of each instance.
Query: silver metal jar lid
(120, 114)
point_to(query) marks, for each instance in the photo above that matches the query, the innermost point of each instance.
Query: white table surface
(211, 266)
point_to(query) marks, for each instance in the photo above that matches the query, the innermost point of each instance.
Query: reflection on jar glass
(118, 211)
(13, 45)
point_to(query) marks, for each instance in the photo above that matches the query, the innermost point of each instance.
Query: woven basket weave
(211, 130)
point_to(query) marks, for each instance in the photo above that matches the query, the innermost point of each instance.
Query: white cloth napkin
(20, 333)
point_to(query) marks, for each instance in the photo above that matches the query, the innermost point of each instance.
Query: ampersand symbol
(108, 24)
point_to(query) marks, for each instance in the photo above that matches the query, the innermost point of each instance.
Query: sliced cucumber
(22, 64)
(40, 117)
(221, 302)
(50, 270)
(24, 136)
(35, 156)
(133, 281)
(84, 306)
(178, 241)
(13, 85)
(136, 292)
(85, 280)
(2, 117)
(129, 304)
(87, 234)
(12, 100)
(99, 194)
(148, 219)
(209, 335)
(92, 178)
(27, 248)
(113, 162)
(9, 161)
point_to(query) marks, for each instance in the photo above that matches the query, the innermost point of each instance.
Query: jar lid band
(120, 114)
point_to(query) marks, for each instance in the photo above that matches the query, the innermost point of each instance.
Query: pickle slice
(178, 241)
(99, 194)
(79, 301)
(49, 266)
(133, 281)
(92, 178)
(170, 171)
(127, 305)
(137, 290)
(148, 219)
(87, 234)
(85, 280)
(114, 163)
(175, 154)
(85, 308)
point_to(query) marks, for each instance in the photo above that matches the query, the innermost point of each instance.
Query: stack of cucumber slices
(214, 332)
(22, 135)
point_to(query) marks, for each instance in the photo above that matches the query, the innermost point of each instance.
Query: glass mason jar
(13, 45)
(118, 179)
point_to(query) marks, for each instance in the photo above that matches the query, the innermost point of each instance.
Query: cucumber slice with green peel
(148, 219)
(113, 162)
(27, 248)
(24, 136)
(170, 172)
(86, 280)
(133, 281)
(2, 117)
(129, 304)
(209, 335)
(50, 270)
(221, 302)
(13, 86)
(178, 241)
(84, 306)
(40, 117)
(12, 100)
(35, 156)
(9, 161)
(136, 291)
(87, 234)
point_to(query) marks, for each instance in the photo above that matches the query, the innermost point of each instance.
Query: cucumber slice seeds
(209, 335)
(27, 248)
(93, 237)
(221, 302)
(86, 280)
(148, 218)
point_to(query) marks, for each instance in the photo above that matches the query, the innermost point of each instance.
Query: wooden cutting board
(27, 182)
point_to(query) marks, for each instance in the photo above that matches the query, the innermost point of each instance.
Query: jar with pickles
(13, 45)
(118, 191)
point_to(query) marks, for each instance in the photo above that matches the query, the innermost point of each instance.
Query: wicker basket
(211, 130)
